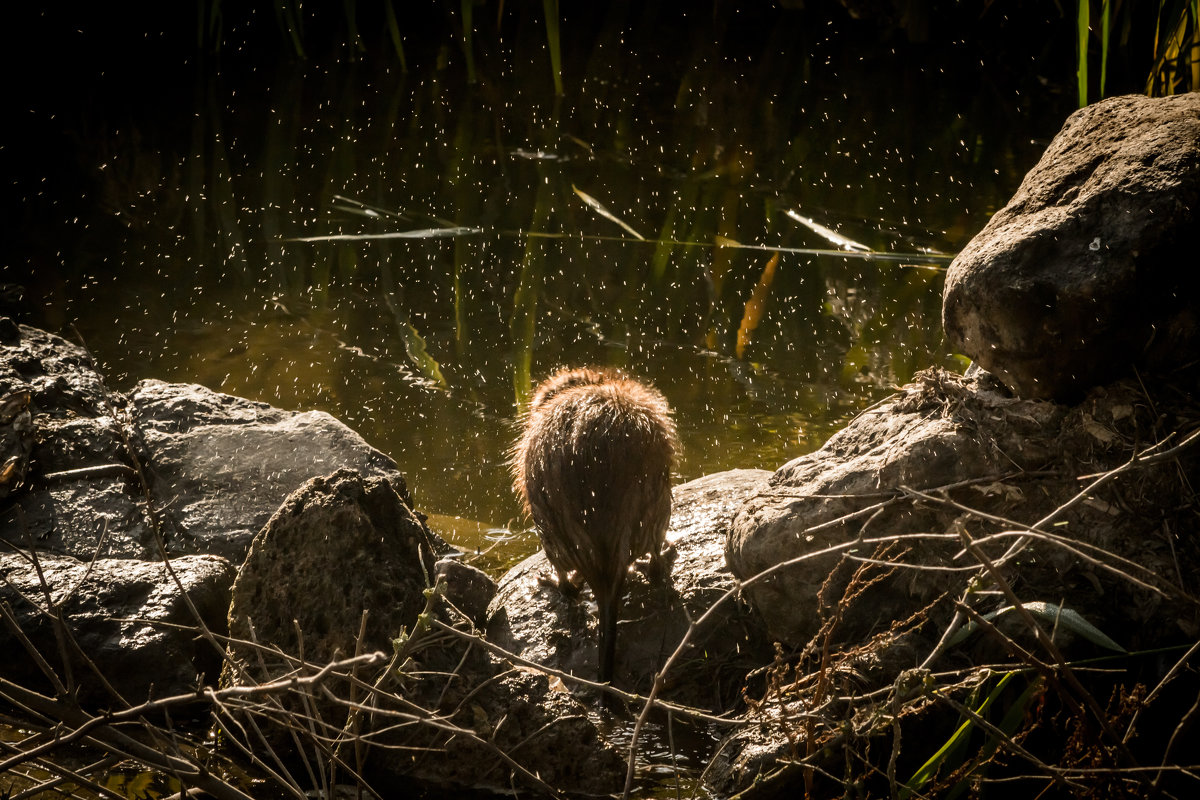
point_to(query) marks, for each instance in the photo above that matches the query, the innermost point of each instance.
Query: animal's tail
(608, 610)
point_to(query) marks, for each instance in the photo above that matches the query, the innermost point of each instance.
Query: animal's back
(594, 467)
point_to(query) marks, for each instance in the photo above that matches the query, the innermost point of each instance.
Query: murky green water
(179, 261)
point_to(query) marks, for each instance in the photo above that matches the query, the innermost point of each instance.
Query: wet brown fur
(593, 466)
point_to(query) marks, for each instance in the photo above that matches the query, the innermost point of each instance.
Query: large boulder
(1090, 270)
(924, 438)
(895, 486)
(536, 621)
(226, 463)
(125, 624)
(889, 562)
(338, 547)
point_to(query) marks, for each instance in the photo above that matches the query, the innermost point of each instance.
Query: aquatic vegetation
(1175, 64)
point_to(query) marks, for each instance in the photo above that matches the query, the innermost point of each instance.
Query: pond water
(752, 210)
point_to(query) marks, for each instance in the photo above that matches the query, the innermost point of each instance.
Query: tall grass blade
(1172, 72)
(1195, 46)
(393, 27)
(1152, 80)
(418, 355)
(664, 245)
(1105, 10)
(461, 329)
(208, 26)
(828, 234)
(289, 20)
(1082, 24)
(726, 243)
(721, 268)
(600, 209)
(755, 306)
(523, 324)
(350, 10)
(1176, 52)
(464, 190)
(1013, 718)
(717, 269)
(672, 229)
(930, 768)
(550, 7)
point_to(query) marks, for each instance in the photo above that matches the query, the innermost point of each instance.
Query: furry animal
(593, 466)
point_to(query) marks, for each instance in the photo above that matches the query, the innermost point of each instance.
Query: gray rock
(77, 498)
(60, 373)
(867, 573)
(512, 711)
(110, 609)
(337, 547)
(225, 464)
(537, 622)
(1090, 269)
(840, 493)
(966, 439)
(16, 438)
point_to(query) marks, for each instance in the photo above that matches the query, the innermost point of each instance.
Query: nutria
(593, 467)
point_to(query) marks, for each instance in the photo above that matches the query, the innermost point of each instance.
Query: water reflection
(696, 134)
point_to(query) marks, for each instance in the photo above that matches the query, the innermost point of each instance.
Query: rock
(874, 543)
(226, 464)
(515, 712)
(842, 491)
(77, 497)
(1089, 269)
(217, 466)
(963, 439)
(758, 760)
(60, 374)
(337, 547)
(538, 623)
(345, 544)
(125, 615)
